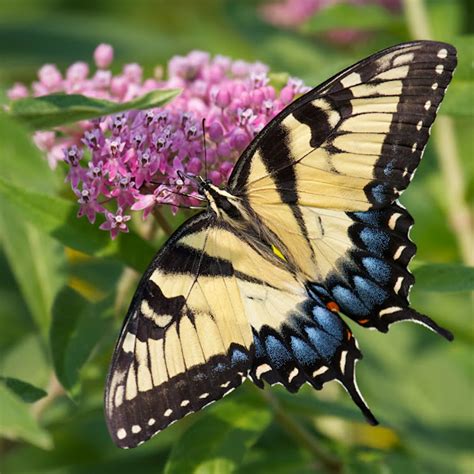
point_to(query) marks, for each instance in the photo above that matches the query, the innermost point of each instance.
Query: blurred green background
(419, 386)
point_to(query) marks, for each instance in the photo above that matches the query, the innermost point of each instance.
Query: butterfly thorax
(234, 211)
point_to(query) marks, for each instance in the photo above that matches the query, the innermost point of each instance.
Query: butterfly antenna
(179, 206)
(203, 123)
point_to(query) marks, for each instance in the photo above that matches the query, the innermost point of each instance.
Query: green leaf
(57, 217)
(446, 19)
(58, 109)
(459, 100)
(27, 392)
(347, 16)
(26, 359)
(444, 277)
(36, 260)
(76, 328)
(218, 441)
(21, 161)
(465, 68)
(18, 423)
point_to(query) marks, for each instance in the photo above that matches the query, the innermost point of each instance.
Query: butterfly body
(308, 227)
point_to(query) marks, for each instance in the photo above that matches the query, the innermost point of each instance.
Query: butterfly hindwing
(313, 346)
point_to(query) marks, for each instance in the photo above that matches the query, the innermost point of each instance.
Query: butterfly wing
(325, 174)
(212, 309)
(354, 142)
(185, 342)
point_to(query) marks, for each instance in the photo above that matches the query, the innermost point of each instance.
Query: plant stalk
(163, 223)
(459, 214)
(330, 463)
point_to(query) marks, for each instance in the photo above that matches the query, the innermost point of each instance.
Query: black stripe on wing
(276, 156)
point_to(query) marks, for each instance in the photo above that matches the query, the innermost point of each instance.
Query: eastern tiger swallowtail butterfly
(308, 227)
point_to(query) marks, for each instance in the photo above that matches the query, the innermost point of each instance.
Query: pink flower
(18, 91)
(89, 207)
(115, 223)
(103, 55)
(77, 72)
(44, 140)
(130, 161)
(50, 77)
(145, 203)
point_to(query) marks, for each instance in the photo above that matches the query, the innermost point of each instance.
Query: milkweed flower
(132, 161)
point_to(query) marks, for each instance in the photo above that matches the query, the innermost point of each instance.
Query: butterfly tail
(409, 314)
(349, 382)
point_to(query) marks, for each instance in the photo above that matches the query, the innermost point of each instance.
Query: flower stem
(459, 215)
(164, 224)
(302, 435)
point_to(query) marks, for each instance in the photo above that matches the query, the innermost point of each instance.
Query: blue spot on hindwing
(277, 352)
(302, 351)
(388, 170)
(370, 293)
(259, 350)
(349, 302)
(328, 321)
(374, 240)
(379, 193)
(238, 356)
(316, 291)
(377, 269)
(324, 343)
(369, 217)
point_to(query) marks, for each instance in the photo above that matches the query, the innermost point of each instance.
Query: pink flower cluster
(132, 161)
(293, 13)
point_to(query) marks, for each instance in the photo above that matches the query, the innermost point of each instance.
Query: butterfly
(307, 228)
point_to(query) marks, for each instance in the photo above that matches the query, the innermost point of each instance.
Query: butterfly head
(223, 203)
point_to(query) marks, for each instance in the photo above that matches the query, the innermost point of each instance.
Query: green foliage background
(60, 310)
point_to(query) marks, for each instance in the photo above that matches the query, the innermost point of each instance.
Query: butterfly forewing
(354, 142)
